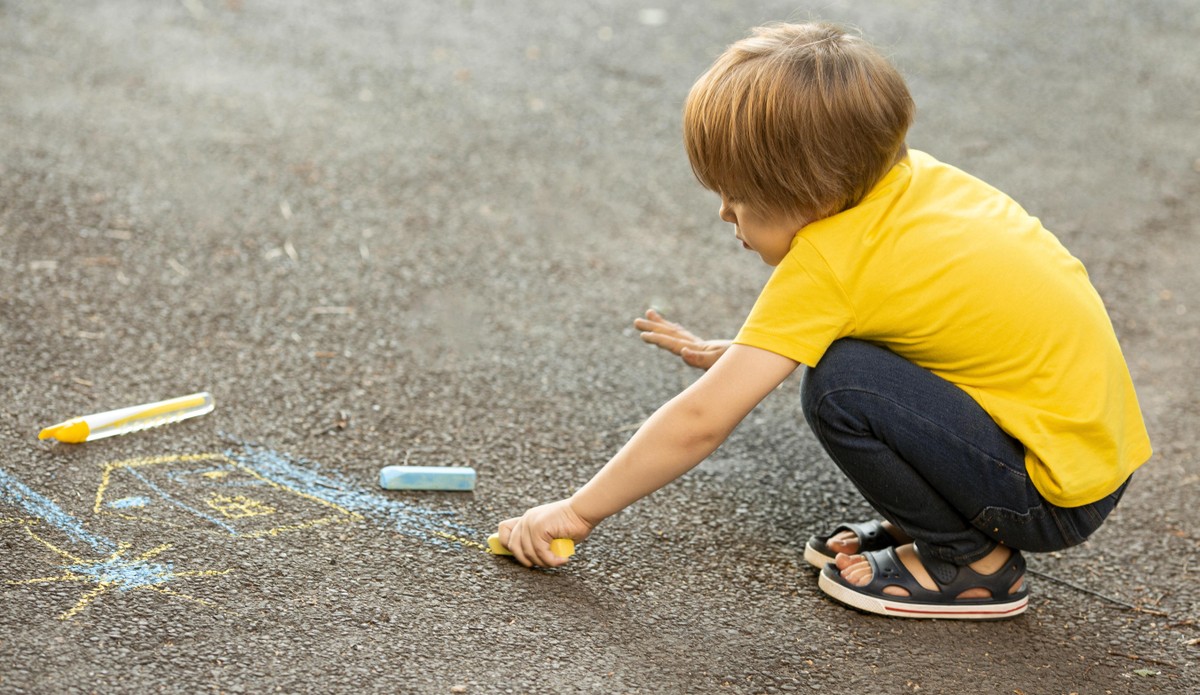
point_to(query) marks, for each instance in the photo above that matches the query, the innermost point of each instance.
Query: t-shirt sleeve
(802, 309)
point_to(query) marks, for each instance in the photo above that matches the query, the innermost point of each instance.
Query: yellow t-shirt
(953, 275)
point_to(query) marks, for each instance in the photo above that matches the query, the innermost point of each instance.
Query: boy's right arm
(681, 434)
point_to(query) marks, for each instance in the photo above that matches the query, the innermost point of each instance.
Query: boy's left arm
(674, 337)
(681, 434)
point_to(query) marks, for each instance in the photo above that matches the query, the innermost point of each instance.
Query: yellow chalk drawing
(238, 506)
(213, 488)
(464, 541)
(12, 520)
(115, 573)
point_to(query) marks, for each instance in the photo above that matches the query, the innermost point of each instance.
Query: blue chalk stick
(427, 478)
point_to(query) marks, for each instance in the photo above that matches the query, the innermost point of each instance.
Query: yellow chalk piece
(495, 547)
(562, 547)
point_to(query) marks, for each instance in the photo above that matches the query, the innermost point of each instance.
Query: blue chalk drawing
(110, 567)
(429, 525)
(172, 500)
(229, 497)
(21, 496)
(130, 502)
(124, 575)
(114, 572)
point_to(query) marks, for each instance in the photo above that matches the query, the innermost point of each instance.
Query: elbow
(700, 427)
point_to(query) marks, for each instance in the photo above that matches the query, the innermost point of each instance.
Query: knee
(833, 372)
(811, 392)
(838, 369)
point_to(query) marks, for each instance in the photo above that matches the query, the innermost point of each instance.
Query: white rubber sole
(905, 609)
(815, 557)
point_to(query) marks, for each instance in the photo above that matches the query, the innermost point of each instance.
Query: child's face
(768, 236)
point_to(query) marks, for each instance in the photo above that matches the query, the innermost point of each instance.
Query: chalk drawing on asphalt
(103, 566)
(244, 492)
(431, 527)
(211, 491)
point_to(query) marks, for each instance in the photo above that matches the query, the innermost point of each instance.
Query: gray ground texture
(387, 232)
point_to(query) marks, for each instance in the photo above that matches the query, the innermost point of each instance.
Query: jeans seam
(1019, 475)
(1069, 535)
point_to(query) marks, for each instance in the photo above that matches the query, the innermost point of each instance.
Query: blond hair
(797, 119)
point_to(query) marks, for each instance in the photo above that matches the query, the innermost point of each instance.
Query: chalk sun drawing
(118, 571)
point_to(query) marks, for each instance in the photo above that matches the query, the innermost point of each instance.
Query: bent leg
(922, 452)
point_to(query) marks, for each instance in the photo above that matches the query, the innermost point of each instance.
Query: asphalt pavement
(400, 232)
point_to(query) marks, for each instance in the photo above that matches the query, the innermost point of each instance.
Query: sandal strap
(887, 570)
(871, 535)
(942, 571)
(953, 579)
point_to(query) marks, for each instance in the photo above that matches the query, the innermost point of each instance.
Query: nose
(725, 213)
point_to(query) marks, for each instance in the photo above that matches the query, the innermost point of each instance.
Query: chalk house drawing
(211, 491)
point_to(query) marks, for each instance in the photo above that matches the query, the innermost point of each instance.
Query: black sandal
(871, 536)
(952, 580)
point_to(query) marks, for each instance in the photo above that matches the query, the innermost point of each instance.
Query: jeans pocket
(1037, 530)
(1045, 527)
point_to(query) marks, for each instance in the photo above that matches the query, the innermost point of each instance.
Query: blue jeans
(931, 461)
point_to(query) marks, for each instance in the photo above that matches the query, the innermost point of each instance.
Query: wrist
(586, 509)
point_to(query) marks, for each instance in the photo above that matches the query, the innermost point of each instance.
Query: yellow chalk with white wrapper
(562, 547)
(123, 420)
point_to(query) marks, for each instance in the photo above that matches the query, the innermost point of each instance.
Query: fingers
(700, 359)
(665, 334)
(658, 327)
(512, 537)
(505, 530)
(654, 323)
(517, 535)
(532, 552)
(668, 342)
(546, 557)
(653, 318)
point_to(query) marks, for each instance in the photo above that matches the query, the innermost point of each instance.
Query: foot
(847, 542)
(856, 570)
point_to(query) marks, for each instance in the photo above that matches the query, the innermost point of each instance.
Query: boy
(963, 372)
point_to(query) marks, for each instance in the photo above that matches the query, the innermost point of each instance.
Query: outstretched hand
(668, 335)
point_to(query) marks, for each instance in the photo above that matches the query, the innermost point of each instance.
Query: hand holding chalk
(544, 535)
(562, 547)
